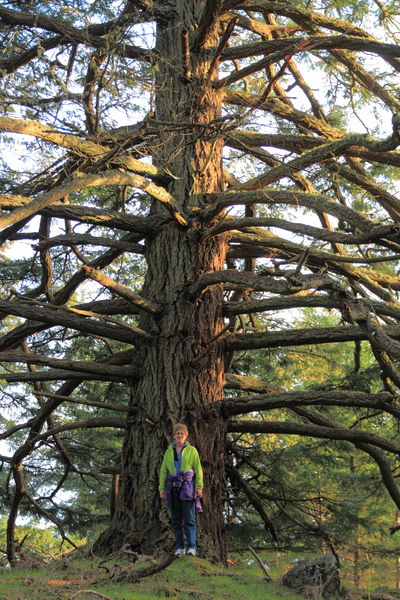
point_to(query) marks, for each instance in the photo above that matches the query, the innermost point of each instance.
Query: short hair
(180, 426)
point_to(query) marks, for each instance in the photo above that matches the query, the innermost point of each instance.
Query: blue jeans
(183, 516)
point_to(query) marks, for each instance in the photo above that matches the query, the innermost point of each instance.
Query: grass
(186, 578)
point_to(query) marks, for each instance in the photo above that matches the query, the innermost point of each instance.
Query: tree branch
(80, 181)
(247, 280)
(343, 42)
(60, 316)
(381, 401)
(80, 147)
(300, 337)
(122, 290)
(255, 500)
(88, 36)
(95, 216)
(329, 433)
(315, 201)
(80, 366)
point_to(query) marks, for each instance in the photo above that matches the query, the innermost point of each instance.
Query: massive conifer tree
(187, 166)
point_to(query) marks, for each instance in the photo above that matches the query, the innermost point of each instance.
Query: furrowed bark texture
(182, 364)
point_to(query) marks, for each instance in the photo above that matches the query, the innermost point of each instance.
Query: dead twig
(260, 562)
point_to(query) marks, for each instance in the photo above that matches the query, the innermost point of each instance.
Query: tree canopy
(199, 222)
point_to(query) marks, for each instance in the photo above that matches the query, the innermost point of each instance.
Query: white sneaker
(179, 552)
(191, 551)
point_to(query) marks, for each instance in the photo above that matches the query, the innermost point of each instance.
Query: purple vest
(184, 481)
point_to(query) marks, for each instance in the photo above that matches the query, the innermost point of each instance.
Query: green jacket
(190, 460)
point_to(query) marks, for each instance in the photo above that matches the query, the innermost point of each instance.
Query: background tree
(187, 171)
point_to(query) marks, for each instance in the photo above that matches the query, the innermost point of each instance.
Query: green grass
(186, 578)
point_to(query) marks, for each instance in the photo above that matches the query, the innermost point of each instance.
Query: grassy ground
(186, 578)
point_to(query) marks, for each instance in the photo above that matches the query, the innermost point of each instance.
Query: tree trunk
(182, 369)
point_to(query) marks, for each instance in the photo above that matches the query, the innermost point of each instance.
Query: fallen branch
(267, 576)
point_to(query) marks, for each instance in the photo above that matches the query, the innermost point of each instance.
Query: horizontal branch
(280, 303)
(79, 146)
(382, 401)
(245, 280)
(64, 375)
(80, 181)
(317, 202)
(302, 337)
(114, 422)
(377, 281)
(75, 239)
(299, 143)
(304, 16)
(321, 154)
(336, 42)
(86, 214)
(109, 307)
(80, 366)
(354, 436)
(374, 234)
(91, 36)
(84, 402)
(122, 290)
(66, 318)
(302, 301)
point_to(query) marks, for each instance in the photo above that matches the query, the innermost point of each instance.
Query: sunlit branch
(320, 154)
(80, 181)
(330, 433)
(122, 290)
(94, 216)
(247, 280)
(375, 281)
(381, 401)
(343, 42)
(375, 234)
(315, 201)
(110, 307)
(233, 381)
(81, 147)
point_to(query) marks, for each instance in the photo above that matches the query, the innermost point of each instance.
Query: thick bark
(182, 363)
